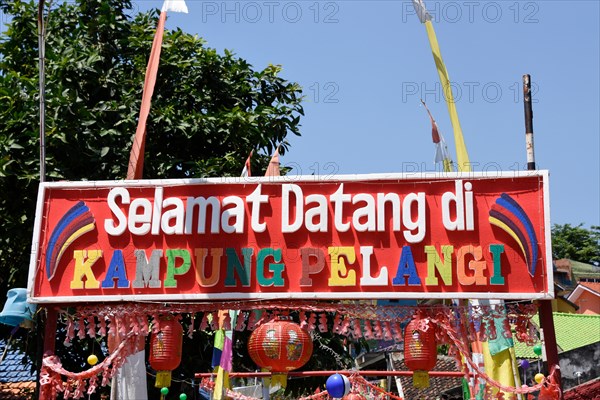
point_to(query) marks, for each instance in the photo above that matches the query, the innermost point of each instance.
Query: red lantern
(165, 350)
(280, 346)
(420, 349)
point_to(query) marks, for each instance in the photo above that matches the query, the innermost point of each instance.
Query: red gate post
(49, 344)
(547, 325)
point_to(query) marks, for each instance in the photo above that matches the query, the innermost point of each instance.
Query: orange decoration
(280, 346)
(354, 396)
(549, 390)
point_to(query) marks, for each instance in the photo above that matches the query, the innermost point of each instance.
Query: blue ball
(338, 385)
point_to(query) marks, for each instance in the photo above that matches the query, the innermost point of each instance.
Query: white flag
(175, 6)
(421, 11)
(247, 171)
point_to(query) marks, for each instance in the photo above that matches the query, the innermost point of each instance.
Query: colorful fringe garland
(355, 320)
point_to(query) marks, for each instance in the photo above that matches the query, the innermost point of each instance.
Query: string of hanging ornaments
(427, 327)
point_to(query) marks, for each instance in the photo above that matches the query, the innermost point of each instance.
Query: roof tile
(586, 391)
(437, 385)
(12, 368)
(15, 391)
(595, 286)
(587, 328)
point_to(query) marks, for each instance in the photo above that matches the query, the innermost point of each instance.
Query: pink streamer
(387, 331)
(323, 322)
(240, 323)
(227, 322)
(204, 322)
(377, 329)
(70, 331)
(91, 330)
(357, 333)
(337, 323)
(345, 326)
(252, 321)
(368, 330)
(312, 321)
(303, 322)
(214, 322)
(102, 328)
(81, 329)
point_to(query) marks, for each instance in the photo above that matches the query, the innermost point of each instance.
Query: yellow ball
(539, 378)
(92, 360)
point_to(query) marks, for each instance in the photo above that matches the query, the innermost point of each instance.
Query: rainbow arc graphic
(76, 222)
(509, 216)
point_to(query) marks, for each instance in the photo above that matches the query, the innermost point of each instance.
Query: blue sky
(365, 65)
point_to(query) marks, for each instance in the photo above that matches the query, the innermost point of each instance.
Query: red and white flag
(441, 149)
(246, 171)
(273, 168)
(136, 158)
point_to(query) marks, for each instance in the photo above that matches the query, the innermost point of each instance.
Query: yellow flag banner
(498, 354)
(500, 366)
(461, 150)
(221, 383)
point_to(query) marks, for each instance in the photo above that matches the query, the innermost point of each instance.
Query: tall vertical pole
(528, 122)
(546, 319)
(49, 325)
(42, 87)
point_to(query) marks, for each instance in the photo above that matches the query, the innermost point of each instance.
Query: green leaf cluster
(209, 110)
(576, 243)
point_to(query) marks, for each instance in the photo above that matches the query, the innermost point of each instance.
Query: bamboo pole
(42, 87)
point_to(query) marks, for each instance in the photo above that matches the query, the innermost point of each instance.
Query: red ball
(280, 346)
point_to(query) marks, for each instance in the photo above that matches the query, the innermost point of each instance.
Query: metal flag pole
(47, 322)
(545, 310)
(528, 122)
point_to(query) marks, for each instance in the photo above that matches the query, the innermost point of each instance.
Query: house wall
(560, 305)
(583, 359)
(588, 303)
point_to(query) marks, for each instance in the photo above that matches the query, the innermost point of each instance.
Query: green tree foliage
(209, 110)
(576, 243)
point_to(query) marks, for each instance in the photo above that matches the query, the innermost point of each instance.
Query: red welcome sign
(448, 235)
